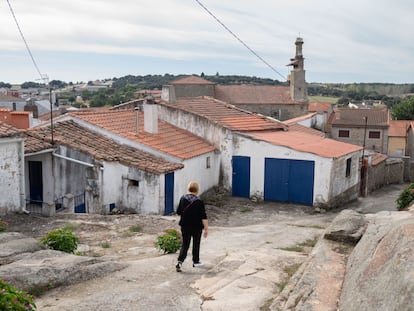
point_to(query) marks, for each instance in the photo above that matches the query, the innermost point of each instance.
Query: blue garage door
(241, 177)
(289, 181)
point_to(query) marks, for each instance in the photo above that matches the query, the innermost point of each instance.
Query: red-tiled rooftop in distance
(377, 158)
(299, 141)
(398, 128)
(170, 139)
(226, 115)
(8, 130)
(298, 119)
(254, 94)
(355, 117)
(319, 106)
(191, 80)
(101, 148)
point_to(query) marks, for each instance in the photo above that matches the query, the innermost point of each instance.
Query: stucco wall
(281, 112)
(356, 137)
(12, 190)
(196, 169)
(220, 137)
(396, 146)
(193, 90)
(47, 177)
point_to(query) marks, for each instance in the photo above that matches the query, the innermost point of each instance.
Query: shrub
(61, 239)
(3, 226)
(169, 242)
(406, 197)
(13, 299)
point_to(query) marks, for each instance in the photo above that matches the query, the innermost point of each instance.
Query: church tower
(298, 89)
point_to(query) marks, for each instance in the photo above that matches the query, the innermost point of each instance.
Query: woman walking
(192, 221)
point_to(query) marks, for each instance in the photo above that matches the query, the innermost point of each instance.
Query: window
(343, 133)
(348, 167)
(133, 183)
(208, 165)
(374, 134)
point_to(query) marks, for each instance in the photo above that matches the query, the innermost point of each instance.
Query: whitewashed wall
(218, 136)
(327, 181)
(12, 191)
(196, 169)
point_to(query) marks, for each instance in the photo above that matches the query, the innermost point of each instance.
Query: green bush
(169, 242)
(15, 300)
(3, 226)
(406, 197)
(61, 239)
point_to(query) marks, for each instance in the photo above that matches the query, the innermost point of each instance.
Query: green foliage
(136, 228)
(404, 111)
(169, 242)
(3, 226)
(406, 197)
(61, 239)
(28, 85)
(13, 299)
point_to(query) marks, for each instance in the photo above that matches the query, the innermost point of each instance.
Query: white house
(88, 172)
(12, 191)
(266, 158)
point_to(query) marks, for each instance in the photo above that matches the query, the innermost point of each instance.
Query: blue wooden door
(241, 176)
(276, 185)
(169, 194)
(289, 181)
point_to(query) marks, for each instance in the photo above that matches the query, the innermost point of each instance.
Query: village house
(84, 171)
(265, 158)
(362, 127)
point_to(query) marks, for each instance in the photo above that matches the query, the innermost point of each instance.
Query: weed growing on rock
(3, 226)
(61, 239)
(406, 197)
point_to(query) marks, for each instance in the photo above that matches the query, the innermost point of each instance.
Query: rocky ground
(252, 250)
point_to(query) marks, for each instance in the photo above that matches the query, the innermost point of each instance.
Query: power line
(240, 40)
(42, 77)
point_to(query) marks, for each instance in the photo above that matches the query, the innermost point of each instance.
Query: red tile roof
(254, 94)
(170, 139)
(355, 117)
(304, 142)
(319, 106)
(33, 142)
(378, 158)
(10, 98)
(191, 80)
(226, 115)
(7, 130)
(101, 148)
(298, 119)
(398, 128)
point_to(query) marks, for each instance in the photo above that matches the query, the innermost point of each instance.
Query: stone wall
(281, 112)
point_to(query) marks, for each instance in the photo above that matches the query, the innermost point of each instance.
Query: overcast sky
(81, 40)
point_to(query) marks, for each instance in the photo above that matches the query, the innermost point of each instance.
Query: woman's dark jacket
(191, 214)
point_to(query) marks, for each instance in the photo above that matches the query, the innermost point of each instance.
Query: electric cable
(240, 40)
(42, 77)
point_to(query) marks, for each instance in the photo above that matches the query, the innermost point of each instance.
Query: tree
(405, 110)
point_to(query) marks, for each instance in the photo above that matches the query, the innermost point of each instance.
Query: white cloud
(341, 37)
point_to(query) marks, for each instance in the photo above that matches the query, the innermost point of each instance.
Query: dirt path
(248, 256)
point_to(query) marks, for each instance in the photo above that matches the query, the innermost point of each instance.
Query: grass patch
(297, 248)
(323, 99)
(309, 243)
(106, 244)
(290, 271)
(136, 228)
(245, 209)
(71, 226)
(307, 226)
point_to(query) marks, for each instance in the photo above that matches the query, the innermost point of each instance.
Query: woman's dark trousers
(187, 234)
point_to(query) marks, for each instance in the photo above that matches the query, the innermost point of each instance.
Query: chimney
(136, 120)
(168, 93)
(150, 115)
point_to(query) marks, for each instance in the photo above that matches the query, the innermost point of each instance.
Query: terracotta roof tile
(398, 128)
(301, 118)
(34, 143)
(319, 106)
(10, 98)
(355, 117)
(69, 133)
(254, 94)
(191, 80)
(226, 115)
(7, 130)
(169, 139)
(304, 129)
(299, 141)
